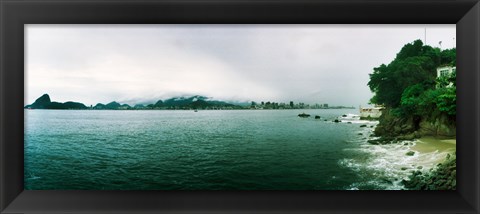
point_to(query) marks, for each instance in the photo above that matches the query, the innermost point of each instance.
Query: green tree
(409, 84)
(446, 100)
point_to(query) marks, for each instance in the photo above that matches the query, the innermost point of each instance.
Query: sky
(140, 64)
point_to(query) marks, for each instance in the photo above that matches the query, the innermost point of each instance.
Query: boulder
(304, 115)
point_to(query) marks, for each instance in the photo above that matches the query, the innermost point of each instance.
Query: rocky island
(44, 102)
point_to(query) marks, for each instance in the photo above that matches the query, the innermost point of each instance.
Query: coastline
(425, 146)
(437, 156)
(405, 164)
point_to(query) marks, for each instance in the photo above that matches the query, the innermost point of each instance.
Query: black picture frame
(14, 14)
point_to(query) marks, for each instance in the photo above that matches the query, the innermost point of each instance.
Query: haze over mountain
(174, 103)
(193, 102)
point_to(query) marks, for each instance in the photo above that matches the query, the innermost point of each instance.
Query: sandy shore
(431, 144)
(432, 151)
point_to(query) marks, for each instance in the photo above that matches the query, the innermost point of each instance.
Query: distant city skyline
(140, 64)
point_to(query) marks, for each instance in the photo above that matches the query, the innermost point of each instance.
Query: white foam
(355, 118)
(388, 162)
(33, 177)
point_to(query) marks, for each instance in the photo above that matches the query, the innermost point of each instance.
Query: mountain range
(192, 102)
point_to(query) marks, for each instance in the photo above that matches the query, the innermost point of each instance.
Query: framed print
(239, 106)
(221, 113)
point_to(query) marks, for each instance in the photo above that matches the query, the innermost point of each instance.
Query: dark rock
(317, 117)
(380, 141)
(337, 121)
(437, 125)
(44, 102)
(442, 177)
(393, 125)
(406, 137)
(304, 115)
(410, 153)
(40, 103)
(363, 125)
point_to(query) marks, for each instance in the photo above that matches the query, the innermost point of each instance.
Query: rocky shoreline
(436, 124)
(394, 130)
(442, 177)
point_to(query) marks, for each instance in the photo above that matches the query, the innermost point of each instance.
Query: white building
(445, 70)
(374, 112)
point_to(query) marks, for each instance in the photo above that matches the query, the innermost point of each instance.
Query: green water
(205, 150)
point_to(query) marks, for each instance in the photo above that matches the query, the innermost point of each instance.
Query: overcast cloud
(281, 63)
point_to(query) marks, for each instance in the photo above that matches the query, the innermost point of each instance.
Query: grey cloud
(143, 63)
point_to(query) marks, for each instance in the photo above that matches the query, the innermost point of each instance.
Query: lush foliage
(409, 84)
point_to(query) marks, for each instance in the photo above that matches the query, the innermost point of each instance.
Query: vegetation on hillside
(418, 103)
(409, 86)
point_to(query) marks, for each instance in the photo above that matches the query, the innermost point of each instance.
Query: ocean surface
(207, 150)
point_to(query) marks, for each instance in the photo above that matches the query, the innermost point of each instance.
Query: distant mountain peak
(44, 102)
(181, 102)
(45, 98)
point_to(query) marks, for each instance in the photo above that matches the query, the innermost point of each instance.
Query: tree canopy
(409, 83)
